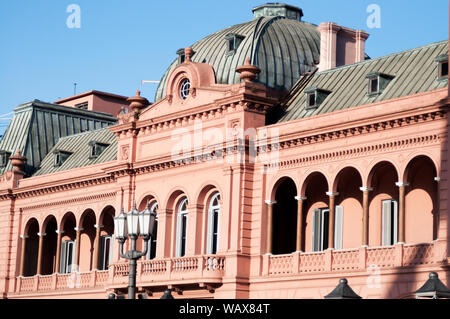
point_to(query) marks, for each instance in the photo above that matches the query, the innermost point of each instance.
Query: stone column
(270, 204)
(300, 200)
(22, 255)
(401, 210)
(39, 261)
(58, 250)
(365, 233)
(96, 245)
(77, 246)
(436, 218)
(332, 207)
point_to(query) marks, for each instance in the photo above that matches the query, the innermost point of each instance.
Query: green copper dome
(276, 40)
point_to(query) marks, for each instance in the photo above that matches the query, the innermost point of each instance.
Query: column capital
(270, 202)
(437, 179)
(41, 234)
(332, 194)
(301, 197)
(366, 189)
(23, 236)
(401, 184)
(99, 226)
(59, 232)
(77, 229)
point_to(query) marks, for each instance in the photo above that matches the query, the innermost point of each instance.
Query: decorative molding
(301, 198)
(78, 229)
(401, 184)
(358, 151)
(23, 236)
(332, 194)
(437, 179)
(354, 131)
(99, 226)
(71, 201)
(366, 189)
(59, 232)
(270, 202)
(41, 234)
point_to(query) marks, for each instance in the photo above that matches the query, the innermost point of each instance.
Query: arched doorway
(48, 262)
(348, 224)
(284, 231)
(384, 205)
(31, 248)
(106, 242)
(87, 238)
(421, 210)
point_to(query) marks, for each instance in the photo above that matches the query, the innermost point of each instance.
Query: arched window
(182, 227)
(151, 253)
(213, 225)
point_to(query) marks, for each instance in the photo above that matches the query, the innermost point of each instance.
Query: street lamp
(133, 225)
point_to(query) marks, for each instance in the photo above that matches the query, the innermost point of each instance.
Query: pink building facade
(264, 185)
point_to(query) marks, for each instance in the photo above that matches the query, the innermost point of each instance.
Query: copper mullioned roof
(414, 71)
(282, 48)
(78, 146)
(37, 126)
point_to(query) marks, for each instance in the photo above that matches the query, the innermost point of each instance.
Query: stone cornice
(360, 151)
(293, 140)
(240, 102)
(71, 201)
(65, 185)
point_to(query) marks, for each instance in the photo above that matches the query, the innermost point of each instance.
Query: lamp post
(133, 225)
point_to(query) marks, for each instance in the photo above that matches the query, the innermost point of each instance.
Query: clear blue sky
(122, 42)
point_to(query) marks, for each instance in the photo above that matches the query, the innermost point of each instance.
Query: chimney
(340, 46)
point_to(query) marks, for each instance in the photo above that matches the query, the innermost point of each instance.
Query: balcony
(340, 261)
(150, 273)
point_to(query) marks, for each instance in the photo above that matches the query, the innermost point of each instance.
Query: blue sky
(122, 42)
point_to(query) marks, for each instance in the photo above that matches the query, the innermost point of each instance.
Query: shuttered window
(213, 225)
(389, 222)
(338, 224)
(182, 228)
(67, 256)
(105, 255)
(320, 228)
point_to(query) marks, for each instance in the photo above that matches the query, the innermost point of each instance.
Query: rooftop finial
(137, 103)
(188, 53)
(248, 71)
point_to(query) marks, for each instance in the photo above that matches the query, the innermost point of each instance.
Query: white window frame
(182, 221)
(213, 219)
(153, 209)
(318, 229)
(105, 260)
(66, 263)
(389, 222)
(338, 227)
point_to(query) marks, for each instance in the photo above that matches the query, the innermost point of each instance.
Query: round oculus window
(184, 88)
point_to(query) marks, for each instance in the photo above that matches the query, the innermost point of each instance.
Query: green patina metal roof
(78, 146)
(414, 71)
(37, 126)
(283, 48)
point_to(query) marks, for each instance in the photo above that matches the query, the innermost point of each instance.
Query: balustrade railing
(213, 267)
(400, 255)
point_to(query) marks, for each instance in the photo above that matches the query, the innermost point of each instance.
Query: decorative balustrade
(213, 268)
(361, 259)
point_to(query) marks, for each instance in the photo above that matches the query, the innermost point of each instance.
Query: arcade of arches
(380, 211)
(85, 243)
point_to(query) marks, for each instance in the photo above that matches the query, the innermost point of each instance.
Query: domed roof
(276, 40)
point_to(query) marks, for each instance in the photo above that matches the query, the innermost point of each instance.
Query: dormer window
(60, 157)
(4, 158)
(233, 41)
(377, 83)
(315, 97)
(442, 61)
(181, 56)
(82, 106)
(96, 148)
